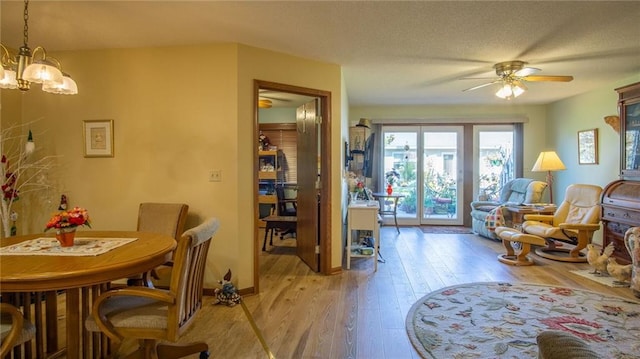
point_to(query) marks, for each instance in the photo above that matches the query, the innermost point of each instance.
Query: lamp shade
(9, 80)
(548, 161)
(67, 87)
(42, 71)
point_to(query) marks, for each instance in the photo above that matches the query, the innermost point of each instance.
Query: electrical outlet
(215, 176)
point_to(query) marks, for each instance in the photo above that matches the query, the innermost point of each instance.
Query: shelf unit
(269, 175)
(358, 136)
(362, 216)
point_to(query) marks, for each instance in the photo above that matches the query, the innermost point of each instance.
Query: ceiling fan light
(505, 92)
(510, 91)
(68, 86)
(517, 91)
(9, 81)
(42, 71)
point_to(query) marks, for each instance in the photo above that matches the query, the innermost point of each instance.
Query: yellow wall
(275, 67)
(173, 123)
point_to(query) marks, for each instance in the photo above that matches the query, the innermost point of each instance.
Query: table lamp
(548, 161)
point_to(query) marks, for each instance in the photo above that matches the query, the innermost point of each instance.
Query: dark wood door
(308, 172)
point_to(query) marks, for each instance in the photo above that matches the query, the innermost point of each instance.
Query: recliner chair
(516, 191)
(575, 221)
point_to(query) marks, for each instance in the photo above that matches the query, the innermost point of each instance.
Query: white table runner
(47, 246)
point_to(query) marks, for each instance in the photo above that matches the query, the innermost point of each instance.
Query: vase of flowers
(66, 222)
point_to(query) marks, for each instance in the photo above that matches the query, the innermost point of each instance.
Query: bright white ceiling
(392, 53)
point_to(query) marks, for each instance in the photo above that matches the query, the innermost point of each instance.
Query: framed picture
(588, 147)
(98, 138)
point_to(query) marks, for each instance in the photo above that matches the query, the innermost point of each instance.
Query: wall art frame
(588, 147)
(98, 138)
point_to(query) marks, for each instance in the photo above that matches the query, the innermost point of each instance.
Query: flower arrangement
(69, 219)
(392, 176)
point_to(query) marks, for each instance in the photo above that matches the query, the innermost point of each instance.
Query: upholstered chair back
(581, 205)
(164, 218)
(522, 190)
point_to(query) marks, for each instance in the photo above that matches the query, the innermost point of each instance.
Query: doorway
(313, 186)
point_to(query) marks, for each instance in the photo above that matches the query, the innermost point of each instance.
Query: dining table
(36, 264)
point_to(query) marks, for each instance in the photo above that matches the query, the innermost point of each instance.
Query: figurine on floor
(619, 271)
(228, 294)
(598, 261)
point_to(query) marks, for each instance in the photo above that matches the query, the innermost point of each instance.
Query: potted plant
(66, 223)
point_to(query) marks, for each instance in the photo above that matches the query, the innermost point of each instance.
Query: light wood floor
(359, 313)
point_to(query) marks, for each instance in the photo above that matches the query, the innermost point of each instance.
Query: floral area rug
(502, 320)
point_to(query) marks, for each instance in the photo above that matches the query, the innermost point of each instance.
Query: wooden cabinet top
(622, 193)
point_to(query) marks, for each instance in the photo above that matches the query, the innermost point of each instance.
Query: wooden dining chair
(163, 218)
(151, 315)
(14, 329)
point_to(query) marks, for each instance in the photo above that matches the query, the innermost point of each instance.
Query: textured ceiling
(392, 53)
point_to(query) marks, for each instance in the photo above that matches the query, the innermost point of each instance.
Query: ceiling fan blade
(477, 78)
(548, 78)
(526, 71)
(275, 98)
(480, 86)
(521, 84)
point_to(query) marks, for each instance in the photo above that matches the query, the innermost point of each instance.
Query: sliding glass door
(442, 174)
(424, 164)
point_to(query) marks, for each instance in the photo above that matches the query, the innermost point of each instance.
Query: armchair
(165, 218)
(516, 191)
(575, 221)
(151, 315)
(15, 329)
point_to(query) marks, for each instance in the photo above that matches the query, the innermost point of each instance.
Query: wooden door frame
(324, 234)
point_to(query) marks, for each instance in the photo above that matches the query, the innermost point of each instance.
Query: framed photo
(98, 138)
(588, 147)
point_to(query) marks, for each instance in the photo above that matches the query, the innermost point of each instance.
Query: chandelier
(19, 71)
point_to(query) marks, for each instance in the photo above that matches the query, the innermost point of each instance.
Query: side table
(362, 216)
(391, 209)
(518, 212)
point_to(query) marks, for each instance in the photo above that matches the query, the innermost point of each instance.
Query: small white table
(363, 215)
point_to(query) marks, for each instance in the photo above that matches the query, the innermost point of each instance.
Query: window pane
(495, 163)
(440, 175)
(400, 169)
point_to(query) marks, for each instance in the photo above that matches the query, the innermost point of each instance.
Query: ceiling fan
(267, 98)
(512, 76)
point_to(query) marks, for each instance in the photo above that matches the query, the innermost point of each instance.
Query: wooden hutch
(621, 198)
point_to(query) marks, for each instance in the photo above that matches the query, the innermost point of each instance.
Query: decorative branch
(21, 172)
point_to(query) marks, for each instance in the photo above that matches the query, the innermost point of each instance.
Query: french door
(424, 164)
(495, 154)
